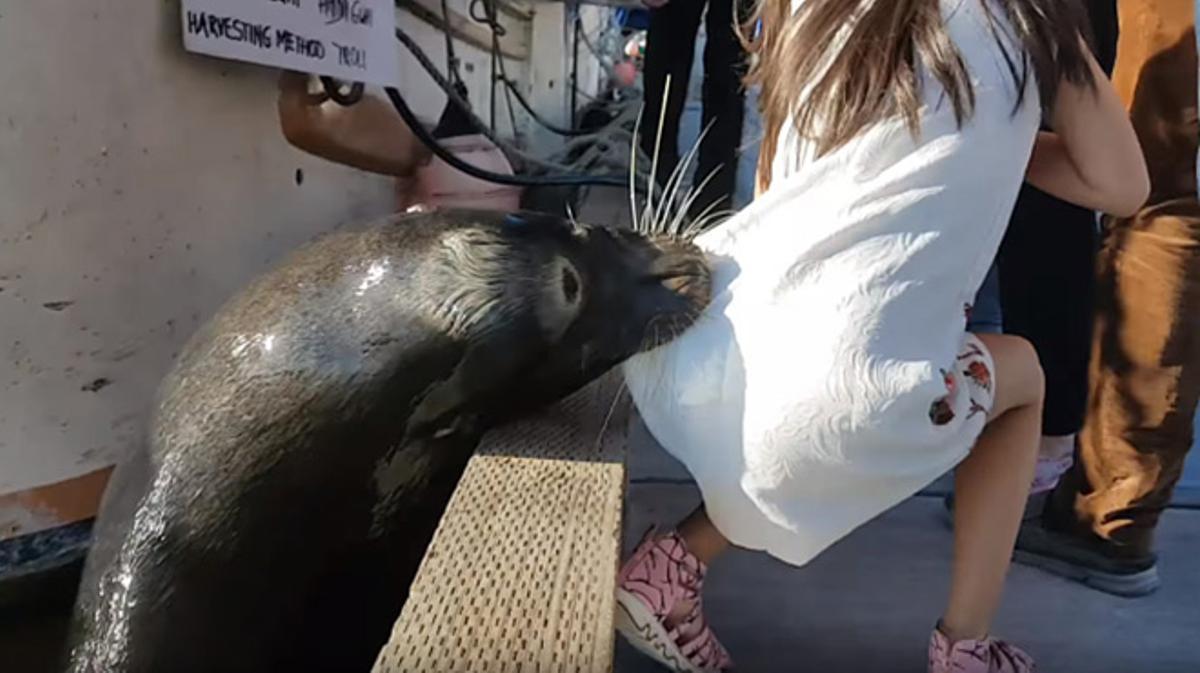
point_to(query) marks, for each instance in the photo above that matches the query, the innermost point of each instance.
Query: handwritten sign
(349, 39)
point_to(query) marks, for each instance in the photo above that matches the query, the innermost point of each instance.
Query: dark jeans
(670, 46)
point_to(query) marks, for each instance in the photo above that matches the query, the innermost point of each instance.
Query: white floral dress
(831, 377)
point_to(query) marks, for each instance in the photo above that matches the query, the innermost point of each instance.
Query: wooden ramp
(520, 575)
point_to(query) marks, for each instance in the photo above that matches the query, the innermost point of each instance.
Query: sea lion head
(598, 295)
(636, 292)
(614, 293)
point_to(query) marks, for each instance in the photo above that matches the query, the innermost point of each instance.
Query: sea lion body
(306, 442)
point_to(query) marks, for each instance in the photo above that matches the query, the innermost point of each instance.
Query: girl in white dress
(831, 378)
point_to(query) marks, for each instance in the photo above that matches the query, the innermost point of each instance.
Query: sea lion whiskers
(653, 220)
(675, 183)
(647, 352)
(679, 222)
(571, 218)
(648, 209)
(670, 193)
(705, 222)
(652, 336)
(633, 160)
(612, 410)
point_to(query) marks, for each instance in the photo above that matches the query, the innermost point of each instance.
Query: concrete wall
(139, 187)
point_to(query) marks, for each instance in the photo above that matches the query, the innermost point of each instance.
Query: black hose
(575, 67)
(487, 16)
(462, 104)
(481, 127)
(334, 92)
(557, 130)
(442, 153)
(451, 59)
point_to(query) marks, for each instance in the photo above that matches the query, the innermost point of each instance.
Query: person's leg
(1047, 263)
(660, 588)
(701, 536)
(985, 316)
(724, 106)
(670, 50)
(1145, 369)
(1100, 521)
(991, 486)
(1046, 289)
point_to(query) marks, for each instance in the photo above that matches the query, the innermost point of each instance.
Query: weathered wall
(139, 187)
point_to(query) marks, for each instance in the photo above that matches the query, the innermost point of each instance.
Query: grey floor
(868, 603)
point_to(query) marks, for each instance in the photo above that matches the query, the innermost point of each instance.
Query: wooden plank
(515, 9)
(521, 574)
(44, 507)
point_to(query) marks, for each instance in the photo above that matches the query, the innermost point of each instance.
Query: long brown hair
(875, 75)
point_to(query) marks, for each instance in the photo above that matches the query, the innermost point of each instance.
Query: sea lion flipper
(482, 364)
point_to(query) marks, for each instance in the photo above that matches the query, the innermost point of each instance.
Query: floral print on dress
(974, 369)
(976, 409)
(940, 412)
(972, 351)
(978, 372)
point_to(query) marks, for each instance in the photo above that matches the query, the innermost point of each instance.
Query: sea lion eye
(570, 285)
(561, 299)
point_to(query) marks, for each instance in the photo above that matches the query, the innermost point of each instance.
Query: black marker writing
(224, 27)
(353, 57)
(291, 43)
(354, 11)
(361, 14)
(333, 10)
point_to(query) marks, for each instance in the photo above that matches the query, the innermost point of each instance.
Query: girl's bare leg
(991, 488)
(701, 536)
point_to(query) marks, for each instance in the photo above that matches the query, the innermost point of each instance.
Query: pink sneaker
(659, 607)
(976, 656)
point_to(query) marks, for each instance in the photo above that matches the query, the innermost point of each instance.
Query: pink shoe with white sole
(659, 607)
(976, 656)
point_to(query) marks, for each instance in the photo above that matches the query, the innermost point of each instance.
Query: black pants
(1047, 267)
(670, 45)
(1047, 286)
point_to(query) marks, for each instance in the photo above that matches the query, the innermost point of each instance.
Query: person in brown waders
(1098, 525)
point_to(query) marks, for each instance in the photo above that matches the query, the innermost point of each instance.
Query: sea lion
(305, 444)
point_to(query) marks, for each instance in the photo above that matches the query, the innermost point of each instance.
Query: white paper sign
(349, 39)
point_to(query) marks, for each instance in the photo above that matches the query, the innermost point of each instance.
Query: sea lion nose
(678, 284)
(686, 278)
